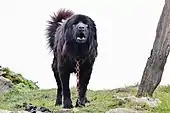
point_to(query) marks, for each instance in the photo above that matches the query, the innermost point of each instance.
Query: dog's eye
(87, 26)
(73, 26)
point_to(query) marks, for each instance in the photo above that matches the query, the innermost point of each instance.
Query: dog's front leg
(65, 76)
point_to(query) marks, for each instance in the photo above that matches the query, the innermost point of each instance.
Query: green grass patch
(101, 101)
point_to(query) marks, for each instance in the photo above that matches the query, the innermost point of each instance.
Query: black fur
(71, 40)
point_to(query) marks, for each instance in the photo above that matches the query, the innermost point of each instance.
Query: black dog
(73, 41)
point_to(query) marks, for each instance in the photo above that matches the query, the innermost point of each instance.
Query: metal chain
(78, 74)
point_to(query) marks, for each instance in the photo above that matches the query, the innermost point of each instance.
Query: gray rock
(124, 110)
(5, 84)
(34, 109)
(74, 110)
(6, 111)
(152, 102)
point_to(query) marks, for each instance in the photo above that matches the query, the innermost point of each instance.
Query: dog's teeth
(81, 38)
(78, 38)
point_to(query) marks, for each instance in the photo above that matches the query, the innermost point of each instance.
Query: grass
(163, 93)
(101, 101)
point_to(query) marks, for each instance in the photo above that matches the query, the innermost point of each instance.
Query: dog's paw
(58, 102)
(67, 103)
(80, 102)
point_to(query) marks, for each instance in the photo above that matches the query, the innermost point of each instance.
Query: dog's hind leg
(57, 78)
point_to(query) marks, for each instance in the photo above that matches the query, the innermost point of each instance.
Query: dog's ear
(95, 35)
(68, 24)
(68, 31)
(93, 32)
(92, 28)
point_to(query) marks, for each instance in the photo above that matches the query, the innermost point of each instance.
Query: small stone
(5, 84)
(124, 110)
(75, 110)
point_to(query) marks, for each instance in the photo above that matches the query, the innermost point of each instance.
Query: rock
(66, 111)
(152, 102)
(6, 111)
(34, 109)
(118, 90)
(5, 84)
(124, 110)
(18, 79)
(29, 108)
(2, 71)
(75, 110)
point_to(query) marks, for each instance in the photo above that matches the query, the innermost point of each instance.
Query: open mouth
(81, 38)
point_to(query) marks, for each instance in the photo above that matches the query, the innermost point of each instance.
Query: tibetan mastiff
(73, 40)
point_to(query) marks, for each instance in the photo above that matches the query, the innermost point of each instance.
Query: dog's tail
(54, 23)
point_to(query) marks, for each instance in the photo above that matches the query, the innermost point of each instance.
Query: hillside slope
(26, 91)
(101, 101)
(17, 79)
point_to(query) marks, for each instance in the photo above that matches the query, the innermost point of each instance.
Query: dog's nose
(81, 28)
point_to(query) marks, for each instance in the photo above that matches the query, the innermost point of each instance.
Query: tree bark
(153, 71)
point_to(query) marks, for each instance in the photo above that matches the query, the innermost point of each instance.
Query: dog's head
(80, 28)
(80, 32)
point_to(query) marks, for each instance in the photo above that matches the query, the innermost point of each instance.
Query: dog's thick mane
(56, 28)
(54, 23)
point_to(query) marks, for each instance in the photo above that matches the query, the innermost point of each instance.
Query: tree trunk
(155, 64)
